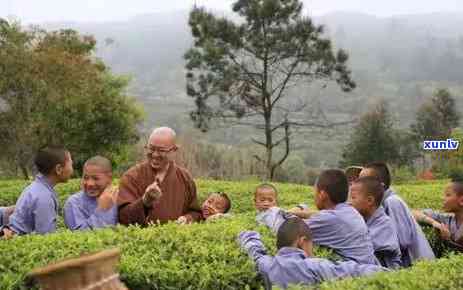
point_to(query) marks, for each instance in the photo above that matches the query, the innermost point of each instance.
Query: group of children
(95, 206)
(361, 219)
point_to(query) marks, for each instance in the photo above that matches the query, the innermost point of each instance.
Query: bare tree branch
(258, 158)
(287, 148)
(283, 85)
(258, 142)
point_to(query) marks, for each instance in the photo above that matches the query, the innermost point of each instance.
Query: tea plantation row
(205, 256)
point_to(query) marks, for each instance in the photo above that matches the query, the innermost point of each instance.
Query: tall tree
(437, 117)
(53, 90)
(242, 72)
(373, 139)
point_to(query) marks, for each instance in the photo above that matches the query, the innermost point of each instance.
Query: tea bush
(444, 273)
(206, 256)
(199, 256)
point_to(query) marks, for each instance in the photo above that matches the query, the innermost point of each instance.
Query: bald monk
(158, 190)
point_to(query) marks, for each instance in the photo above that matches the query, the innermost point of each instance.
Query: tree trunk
(272, 172)
(24, 171)
(287, 149)
(268, 143)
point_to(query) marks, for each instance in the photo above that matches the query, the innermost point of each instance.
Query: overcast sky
(103, 10)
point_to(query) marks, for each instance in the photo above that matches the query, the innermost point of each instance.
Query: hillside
(400, 59)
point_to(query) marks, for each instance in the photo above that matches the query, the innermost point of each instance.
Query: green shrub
(204, 256)
(423, 194)
(199, 256)
(441, 274)
(403, 174)
(242, 192)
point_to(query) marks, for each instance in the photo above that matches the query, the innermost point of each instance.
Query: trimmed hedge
(419, 195)
(199, 256)
(443, 274)
(203, 256)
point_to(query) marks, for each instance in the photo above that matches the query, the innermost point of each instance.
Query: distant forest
(400, 60)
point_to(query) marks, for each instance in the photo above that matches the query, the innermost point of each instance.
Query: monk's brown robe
(178, 196)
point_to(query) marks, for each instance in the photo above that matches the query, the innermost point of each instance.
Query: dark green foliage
(373, 139)
(165, 257)
(456, 176)
(436, 118)
(53, 90)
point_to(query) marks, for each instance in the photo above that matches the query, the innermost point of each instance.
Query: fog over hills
(401, 59)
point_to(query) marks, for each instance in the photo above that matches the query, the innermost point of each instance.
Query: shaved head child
(266, 204)
(95, 205)
(294, 262)
(449, 223)
(366, 195)
(37, 207)
(265, 197)
(216, 205)
(413, 243)
(337, 225)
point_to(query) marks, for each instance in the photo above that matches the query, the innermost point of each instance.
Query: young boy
(413, 243)
(337, 225)
(366, 196)
(269, 214)
(265, 202)
(450, 224)
(294, 262)
(214, 207)
(217, 205)
(37, 207)
(95, 205)
(265, 197)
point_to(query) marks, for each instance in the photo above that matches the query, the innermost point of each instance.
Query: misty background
(400, 51)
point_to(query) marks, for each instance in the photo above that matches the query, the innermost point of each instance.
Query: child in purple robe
(294, 262)
(37, 207)
(366, 196)
(337, 225)
(449, 223)
(413, 243)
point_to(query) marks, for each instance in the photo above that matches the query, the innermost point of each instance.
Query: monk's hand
(444, 232)
(8, 234)
(152, 193)
(215, 216)
(107, 199)
(184, 219)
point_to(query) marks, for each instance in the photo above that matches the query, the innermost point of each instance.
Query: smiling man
(95, 206)
(158, 190)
